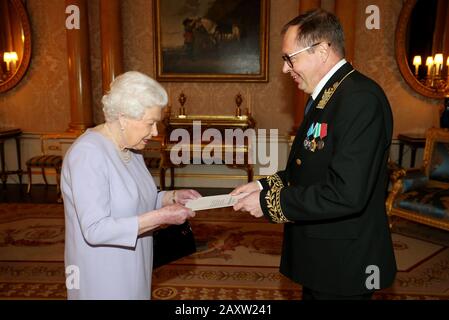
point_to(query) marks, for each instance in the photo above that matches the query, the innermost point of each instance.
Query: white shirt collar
(326, 78)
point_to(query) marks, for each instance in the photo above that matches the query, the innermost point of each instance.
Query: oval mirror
(422, 46)
(15, 43)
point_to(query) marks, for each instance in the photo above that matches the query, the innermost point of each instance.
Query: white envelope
(213, 202)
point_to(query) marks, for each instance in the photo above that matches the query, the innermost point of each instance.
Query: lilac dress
(103, 196)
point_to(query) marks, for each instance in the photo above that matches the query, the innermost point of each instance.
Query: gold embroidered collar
(330, 91)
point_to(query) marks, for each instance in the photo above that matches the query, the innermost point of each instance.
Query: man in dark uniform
(331, 195)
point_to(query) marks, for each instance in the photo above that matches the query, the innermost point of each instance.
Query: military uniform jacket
(331, 195)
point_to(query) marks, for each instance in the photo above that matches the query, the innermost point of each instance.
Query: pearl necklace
(124, 153)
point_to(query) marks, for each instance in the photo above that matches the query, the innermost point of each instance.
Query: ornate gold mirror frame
(401, 54)
(18, 7)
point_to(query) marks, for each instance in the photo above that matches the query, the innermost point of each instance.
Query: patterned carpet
(237, 258)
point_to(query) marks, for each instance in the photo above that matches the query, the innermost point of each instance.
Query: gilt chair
(422, 194)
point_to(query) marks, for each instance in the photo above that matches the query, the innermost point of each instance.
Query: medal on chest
(315, 137)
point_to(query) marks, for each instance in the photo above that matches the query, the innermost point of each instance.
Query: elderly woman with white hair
(111, 202)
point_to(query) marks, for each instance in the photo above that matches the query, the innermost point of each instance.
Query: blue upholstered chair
(422, 194)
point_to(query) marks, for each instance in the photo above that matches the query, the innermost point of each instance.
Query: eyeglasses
(287, 57)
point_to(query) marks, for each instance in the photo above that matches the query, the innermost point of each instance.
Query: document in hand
(213, 202)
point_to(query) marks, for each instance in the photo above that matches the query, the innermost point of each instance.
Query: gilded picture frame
(211, 40)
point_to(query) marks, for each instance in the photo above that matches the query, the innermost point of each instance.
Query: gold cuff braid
(273, 198)
(275, 182)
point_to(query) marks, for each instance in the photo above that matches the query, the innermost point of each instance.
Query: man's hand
(250, 203)
(246, 188)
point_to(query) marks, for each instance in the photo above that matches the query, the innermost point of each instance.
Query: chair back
(436, 154)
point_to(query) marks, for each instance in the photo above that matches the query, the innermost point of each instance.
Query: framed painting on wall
(211, 40)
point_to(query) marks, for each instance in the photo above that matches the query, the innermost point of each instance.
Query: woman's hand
(170, 214)
(180, 196)
(175, 214)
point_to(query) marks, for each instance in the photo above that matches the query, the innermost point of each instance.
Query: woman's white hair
(130, 94)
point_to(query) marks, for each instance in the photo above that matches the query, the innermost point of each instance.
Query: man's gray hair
(130, 94)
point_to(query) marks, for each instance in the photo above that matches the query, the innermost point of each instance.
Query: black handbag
(172, 243)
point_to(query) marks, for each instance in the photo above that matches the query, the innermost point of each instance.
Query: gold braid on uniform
(273, 198)
(275, 182)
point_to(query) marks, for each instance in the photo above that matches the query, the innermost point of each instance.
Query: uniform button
(298, 162)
